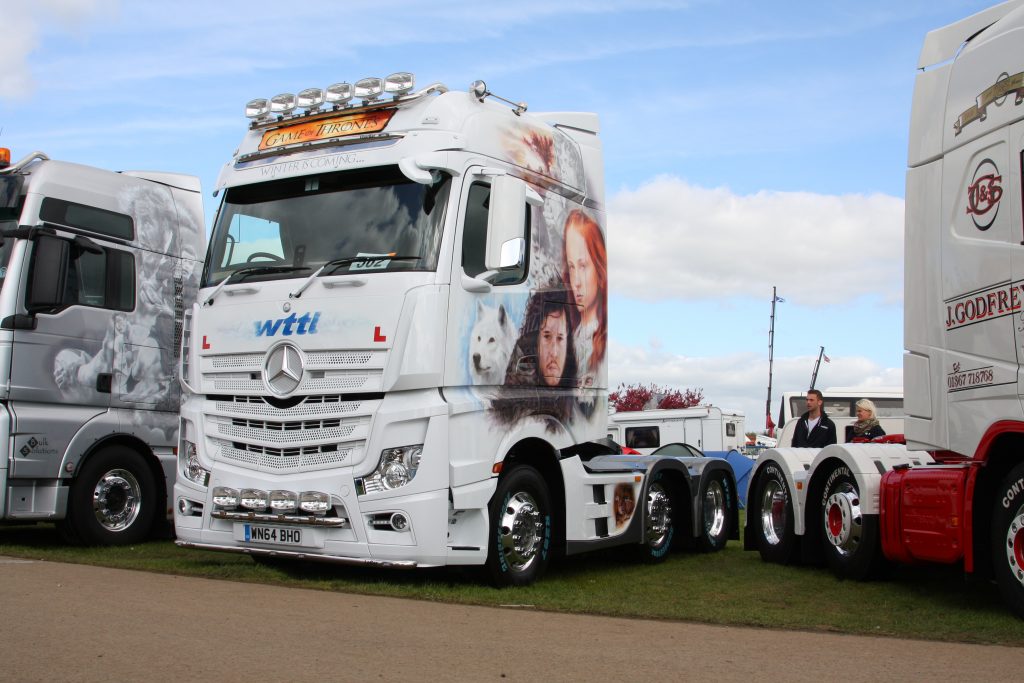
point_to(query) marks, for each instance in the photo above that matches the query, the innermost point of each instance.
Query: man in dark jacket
(815, 429)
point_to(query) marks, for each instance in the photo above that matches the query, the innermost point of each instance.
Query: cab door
(486, 316)
(63, 354)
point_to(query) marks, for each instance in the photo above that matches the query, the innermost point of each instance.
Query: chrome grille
(311, 381)
(312, 405)
(317, 432)
(287, 432)
(277, 459)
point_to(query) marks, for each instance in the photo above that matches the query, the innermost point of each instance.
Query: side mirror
(49, 270)
(506, 224)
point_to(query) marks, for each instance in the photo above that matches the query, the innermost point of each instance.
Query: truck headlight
(189, 465)
(397, 467)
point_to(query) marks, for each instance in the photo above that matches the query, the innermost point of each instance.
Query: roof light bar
(337, 95)
(399, 84)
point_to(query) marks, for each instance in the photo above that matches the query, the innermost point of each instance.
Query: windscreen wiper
(237, 275)
(333, 265)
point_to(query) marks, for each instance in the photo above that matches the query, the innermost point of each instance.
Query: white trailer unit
(955, 493)
(97, 269)
(709, 428)
(399, 353)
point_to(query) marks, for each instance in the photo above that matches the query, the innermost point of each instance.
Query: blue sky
(747, 144)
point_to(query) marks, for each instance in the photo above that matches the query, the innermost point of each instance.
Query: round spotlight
(399, 84)
(257, 108)
(310, 99)
(339, 93)
(283, 103)
(369, 89)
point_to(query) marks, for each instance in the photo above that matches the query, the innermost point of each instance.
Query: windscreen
(378, 219)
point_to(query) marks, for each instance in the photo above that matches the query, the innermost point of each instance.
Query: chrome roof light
(338, 94)
(283, 103)
(369, 89)
(399, 84)
(310, 99)
(258, 108)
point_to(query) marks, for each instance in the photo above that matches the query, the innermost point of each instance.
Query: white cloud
(740, 381)
(23, 22)
(672, 240)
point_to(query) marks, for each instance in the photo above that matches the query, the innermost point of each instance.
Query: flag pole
(814, 375)
(768, 425)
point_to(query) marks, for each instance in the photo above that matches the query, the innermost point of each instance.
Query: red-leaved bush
(637, 397)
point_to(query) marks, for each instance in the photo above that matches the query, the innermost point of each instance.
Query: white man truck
(96, 271)
(955, 492)
(398, 356)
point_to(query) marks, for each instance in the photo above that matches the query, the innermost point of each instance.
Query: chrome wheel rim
(773, 512)
(1015, 545)
(844, 521)
(117, 500)
(659, 515)
(714, 509)
(522, 531)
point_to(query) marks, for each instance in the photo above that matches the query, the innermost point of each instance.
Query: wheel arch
(794, 463)
(542, 456)
(684, 485)
(144, 452)
(713, 467)
(995, 458)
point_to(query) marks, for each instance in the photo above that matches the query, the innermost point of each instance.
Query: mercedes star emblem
(282, 370)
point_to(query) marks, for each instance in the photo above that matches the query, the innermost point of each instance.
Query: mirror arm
(477, 284)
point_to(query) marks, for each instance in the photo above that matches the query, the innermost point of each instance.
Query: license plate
(258, 533)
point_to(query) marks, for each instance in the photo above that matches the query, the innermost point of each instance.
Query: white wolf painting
(490, 345)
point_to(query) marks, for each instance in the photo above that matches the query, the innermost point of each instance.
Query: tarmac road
(65, 622)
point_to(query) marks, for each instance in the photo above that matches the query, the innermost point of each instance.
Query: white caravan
(399, 353)
(955, 493)
(707, 427)
(97, 269)
(841, 406)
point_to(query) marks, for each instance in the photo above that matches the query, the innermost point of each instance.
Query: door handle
(104, 380)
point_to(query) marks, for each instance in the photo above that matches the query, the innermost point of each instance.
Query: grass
(733, 588)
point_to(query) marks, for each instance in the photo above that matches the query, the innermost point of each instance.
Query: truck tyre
(850, 538)
(520, 528)
(1008, 539)
(771, 517)
(716, 502)
(659, 520)
(113, 499)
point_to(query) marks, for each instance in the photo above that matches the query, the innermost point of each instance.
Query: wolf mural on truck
(545, 353)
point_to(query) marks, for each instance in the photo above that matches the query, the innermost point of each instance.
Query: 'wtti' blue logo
(304, 324)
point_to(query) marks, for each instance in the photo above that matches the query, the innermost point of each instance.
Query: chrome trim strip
(310, 520)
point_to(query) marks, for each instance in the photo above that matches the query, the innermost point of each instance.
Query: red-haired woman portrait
(586, 276)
